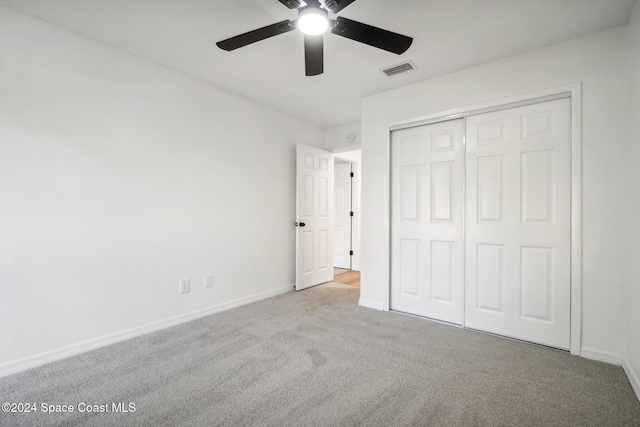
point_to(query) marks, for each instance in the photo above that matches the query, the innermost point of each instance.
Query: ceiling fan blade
(314, 55)
(256, 35)
(336, 6)
(373, 36)
(293, 4)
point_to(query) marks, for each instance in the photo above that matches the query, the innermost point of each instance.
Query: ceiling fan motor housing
(313, 21)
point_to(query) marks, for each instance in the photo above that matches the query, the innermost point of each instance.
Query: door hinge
(351, 213)
(350, 252)
(351, 174)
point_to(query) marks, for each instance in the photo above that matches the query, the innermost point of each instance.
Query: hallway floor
(347, 277)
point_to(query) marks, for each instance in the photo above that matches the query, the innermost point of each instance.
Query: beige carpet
(314, 358)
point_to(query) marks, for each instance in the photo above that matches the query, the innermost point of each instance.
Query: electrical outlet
(185, 286)
(208, 281)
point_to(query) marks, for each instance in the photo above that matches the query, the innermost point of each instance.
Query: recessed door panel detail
(441, 186)
(537, 187)
(490, 188)
(490, 277)
(443, 141)
(441, 271)
(323, 163)
(307, 240)
(410, 192)
(536, 282)
(491, 132)
(410, 146)
(309, 193)
(537, 125)
(309, 162)
(323, 255)
(323, 192)
(409, 267)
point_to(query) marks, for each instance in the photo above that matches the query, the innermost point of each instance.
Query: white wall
(632, 296)
(335, 138)
(600, 62)
(118, 178)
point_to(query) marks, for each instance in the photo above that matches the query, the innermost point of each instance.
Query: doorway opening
(347, 217)
(347, 213)
(346, 277)
(343, 215)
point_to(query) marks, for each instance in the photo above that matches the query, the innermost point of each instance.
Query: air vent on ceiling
(399, 68)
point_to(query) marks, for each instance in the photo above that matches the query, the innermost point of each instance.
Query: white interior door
(427, 248)
(314, 216)
(342, 215)
(518, 172)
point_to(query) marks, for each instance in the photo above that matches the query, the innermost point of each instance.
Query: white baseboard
(371, 304)
(23, 364)
(601, 356)
(633, 377)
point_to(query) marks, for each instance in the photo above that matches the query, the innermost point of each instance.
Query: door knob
(300, 224)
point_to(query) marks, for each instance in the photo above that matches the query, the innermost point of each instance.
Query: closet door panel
(518, 235)
(427, 247)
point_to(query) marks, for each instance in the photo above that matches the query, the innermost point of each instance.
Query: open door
(314, 216)
(342, 215)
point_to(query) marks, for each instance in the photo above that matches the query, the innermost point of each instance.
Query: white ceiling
(449, 35)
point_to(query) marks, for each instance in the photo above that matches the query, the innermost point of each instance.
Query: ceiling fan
(313, 21)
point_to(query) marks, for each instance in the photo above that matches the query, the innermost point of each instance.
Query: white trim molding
(20, 365)
(601, 356)
(376, 305)
(633, 377)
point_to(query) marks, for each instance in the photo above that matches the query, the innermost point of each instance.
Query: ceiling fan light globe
(313, 21)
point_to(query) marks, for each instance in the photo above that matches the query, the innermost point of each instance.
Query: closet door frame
(574, 93)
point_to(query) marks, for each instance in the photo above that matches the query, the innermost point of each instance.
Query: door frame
(574, 93)
(352, 225)
(343, 154)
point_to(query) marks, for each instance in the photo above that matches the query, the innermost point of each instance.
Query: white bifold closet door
(518, 213)
(480, 231)
(427, 248)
